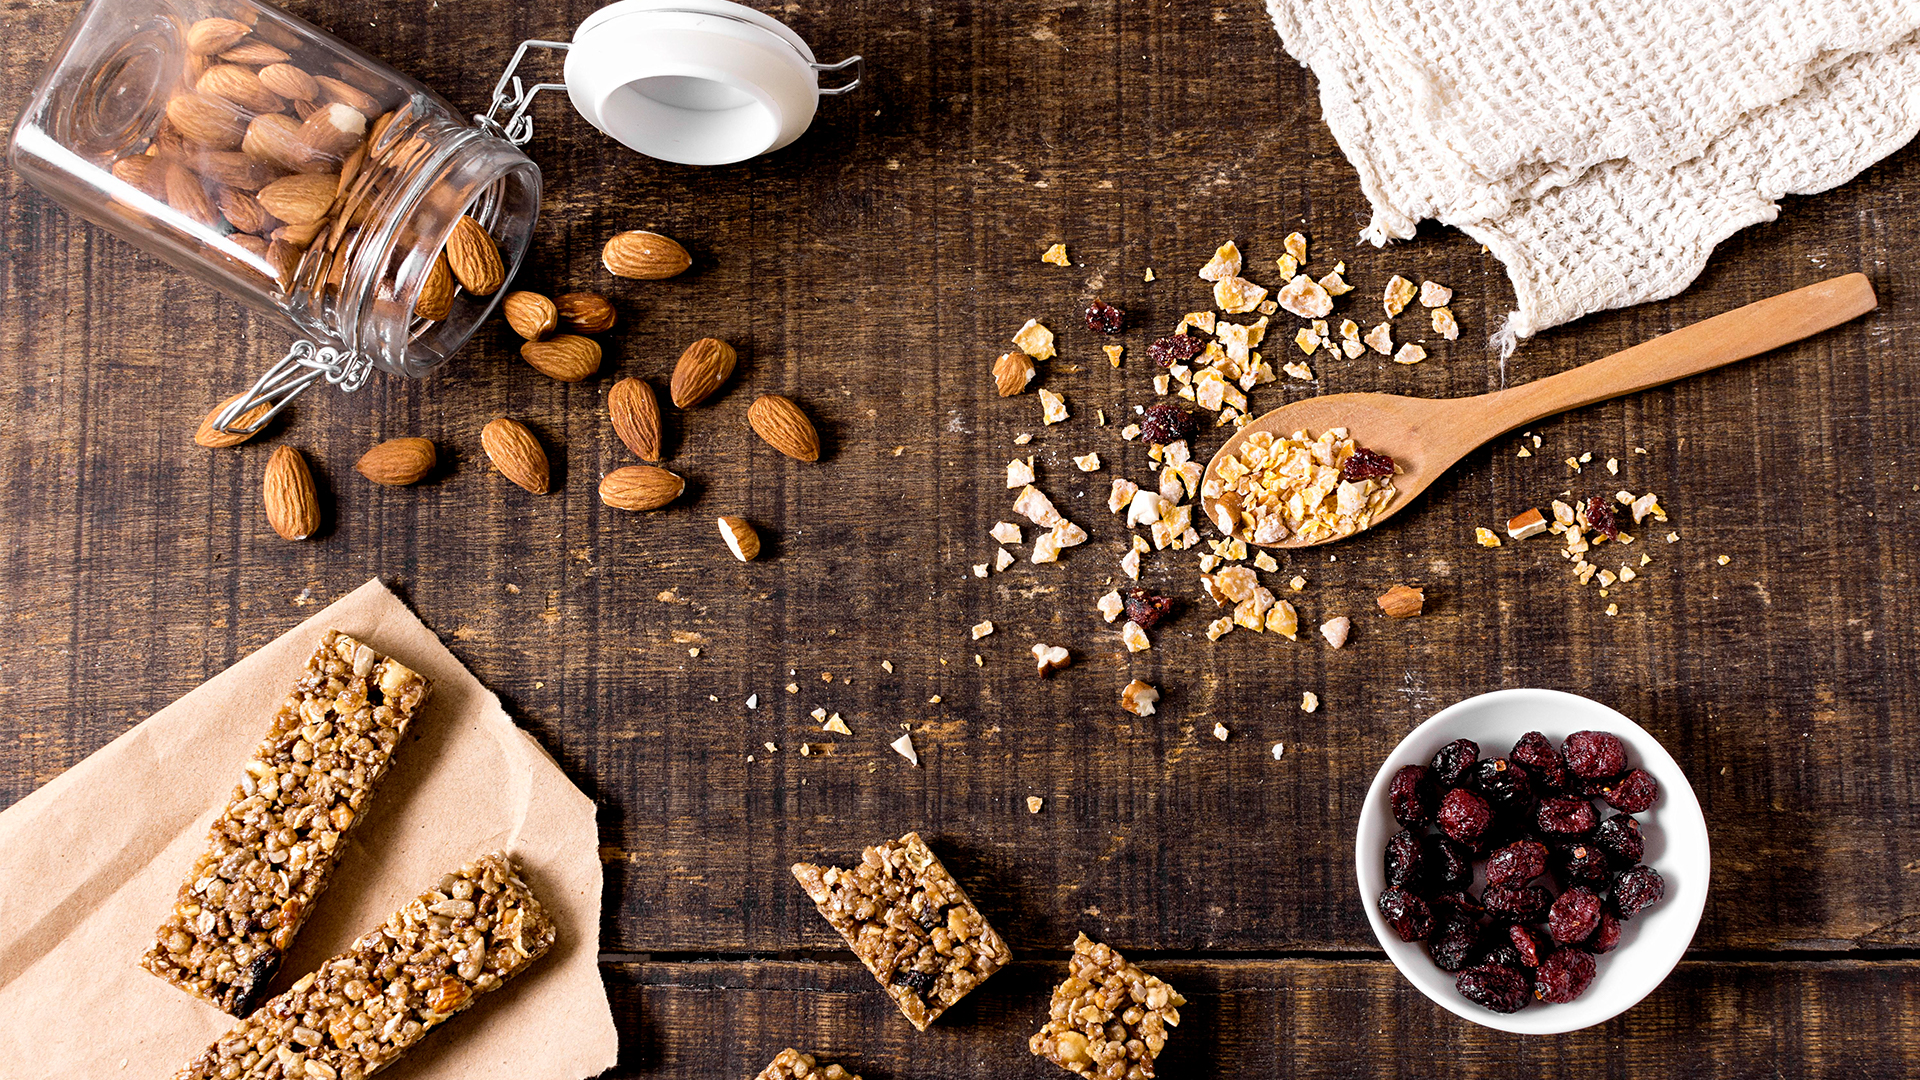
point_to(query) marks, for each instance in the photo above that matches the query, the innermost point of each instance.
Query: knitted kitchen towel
(1602, 150)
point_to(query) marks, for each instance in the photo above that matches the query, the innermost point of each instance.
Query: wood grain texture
(872, 272)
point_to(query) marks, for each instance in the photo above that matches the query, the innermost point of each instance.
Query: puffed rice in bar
(1108, 1019)
(271, 853)
(791, 1064)
(910, 923)
(360, 1011)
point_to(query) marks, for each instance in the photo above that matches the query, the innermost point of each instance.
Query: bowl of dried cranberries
(1532, 861)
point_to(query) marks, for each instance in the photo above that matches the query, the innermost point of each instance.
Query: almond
(636, 417)
(397, 462)
(436, 293)
(784, 427)
(275, 138)
(300, 199)
(185, 194)
(284, 258)
(1402, 601)
(299, 235)
(289, 82)
(233, 169)
(569, 357)
(640, 487)
(210, 36)
(243, 212)
(645, 255)
(240, 86)
(144, 174)
(210, 121)
(740, 538)
(255, 53)
(531, 315)
(255, 245)
(215, 438)
(1012, 372)
(475, 259)
(584, 312)
(293, 506)
(334, 130)
(332, 89)
(516, 453)
(701, 369)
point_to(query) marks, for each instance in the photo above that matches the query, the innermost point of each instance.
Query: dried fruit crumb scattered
(1309, 702)
(1057, 255)
(1034, 803)
(1220, 731)
(1485, 537)
(982, 629)
(904, 747)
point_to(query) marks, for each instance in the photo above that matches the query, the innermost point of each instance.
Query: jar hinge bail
(305, 364)
(517, 128)
(859, 65)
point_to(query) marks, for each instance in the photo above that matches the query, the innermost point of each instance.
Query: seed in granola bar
(1406, 913)
(1175, 349)
(1633, 793)
(1165, 422)
(1413, 795)
(1464, 816)
(1600, 518)
(1146, 609)
(1595, 754)
(1104, 318)
(1365, 464)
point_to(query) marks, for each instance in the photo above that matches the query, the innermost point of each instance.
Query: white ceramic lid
(698, 82)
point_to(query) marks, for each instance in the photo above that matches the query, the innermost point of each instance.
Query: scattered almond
(210, 36)
(701, 369)
(334, 130)
(784, 427)
(644, 255)
(635, 412)
(215, 438)
(531, 315)
(1402, 601)
(740, 538)
(1012, 372)
(436, 293)
(293, 506)
(516, 453)
(398, 462)
(584, 312)
(640, 487)
(568, 357)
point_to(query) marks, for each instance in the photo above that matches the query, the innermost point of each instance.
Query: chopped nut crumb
(982, 629)
(1485, 537)
(1057, 255)
(1399, 294)
(1336, 631)
(1402, 601)
(1724, 560)
(1034, 803)
(1278, 749)
(1220, 731)
(1138, 698)
(1035, 340)
(1309, 701)
(1530, 523)
(1050, 658)
(904, 747)
(1218, 628)
(1435, 295)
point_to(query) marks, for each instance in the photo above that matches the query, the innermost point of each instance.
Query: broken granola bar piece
(360, 1011)
(271, 852)
(1109, 1018)
(910, 923)
(791, 1064)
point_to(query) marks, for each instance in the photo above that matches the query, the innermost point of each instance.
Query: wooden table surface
(872, 271)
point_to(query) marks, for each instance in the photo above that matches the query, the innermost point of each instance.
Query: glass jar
(288, 170)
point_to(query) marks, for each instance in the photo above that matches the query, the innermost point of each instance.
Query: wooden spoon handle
(1690, 350)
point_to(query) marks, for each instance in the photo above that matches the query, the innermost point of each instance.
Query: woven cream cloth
(1602, 149)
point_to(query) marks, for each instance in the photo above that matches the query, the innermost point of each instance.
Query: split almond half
(640, 487)
(293, 506)
(740, 538)
(516, 453)
(784, 427)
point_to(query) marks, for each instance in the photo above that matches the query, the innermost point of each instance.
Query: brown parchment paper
(90, 863)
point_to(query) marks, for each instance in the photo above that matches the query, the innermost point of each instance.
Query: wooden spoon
(1425, 436)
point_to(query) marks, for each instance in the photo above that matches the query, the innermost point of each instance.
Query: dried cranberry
(1595, 754)
(1406, 913)
(1146, 609)
(1635, 792)
(1574, 916)
(1403, 860)
(918, 981)
(1497, 948)
(1563, 976)
(1566, 817)
(1177, 349)
(1517, 903)
(1464, 815)
(1619, 836)
(1453, 943)
(1454, 761)
(1525, 945)
(1517, 863)
(1607, 937)
(1364, 464)
(1582, 864)
(1591, 787)
(1504, 784)
(1456, 904)
(1600, 518)
(1544, 764)
(1634, 889)
(1413, 796)
(1165, 422)
(1104, 318)
(1445, 865)
(1492, 986)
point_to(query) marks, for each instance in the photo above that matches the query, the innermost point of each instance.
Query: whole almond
(289, 82)
(233, 169)
(240, 86)
(700, 370)
(145, 174)
(640, 487)
(436, 293)
(740, 538)
(254, 245)
(636, 417)
(210, 121)
(216, 438)
(397, 462)
(568, 357)
(275, 138)
(784, 427)
(185, 194)
(516, 453)
(584, 312)
(284, 258)
(300, 199)
(531, 315)
(645, 255)
(334, 130)
(243, 212)
(299, 235)
(1012, 372)
(475, 258)
(332, 89)
(255, 53)
(210, 36)
(293, 506)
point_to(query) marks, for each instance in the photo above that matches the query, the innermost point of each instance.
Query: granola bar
(358, 1012)
(791, 1064)
(910, 923)
(1108, 1019)
(271, 853)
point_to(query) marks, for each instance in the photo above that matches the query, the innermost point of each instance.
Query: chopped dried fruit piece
(1104, 318)
(904, 747)
(1408, 354)
(1019, 473)
(1307, 340)
(1598, 515)
(1399, 294)
(1121, 495)
(1165, 422)
(1220, 731)
(1005, 532)
(1463, 816)
(1147, 609)
(1237, 295)
(1283, 620)
(1335, 285)
(1108, 1019)
(1134, 638)
(1036, 507)
(1288, 265)
(1113, 354)
(1414, 796)
(1087, 462)
(1296, 245)
(1309, 701)
(1445, 324)
(1111, 605)
(1224, 264)
(1336, 630)
(1304, 297)
(1594, 754)
(1365, 464)
(1435, 295)
(1406, 914)
(1485, 537)
(1057, 255)
(982, 629)
(1053, 407)
(1380, 339)
(1035, 340)
(1492, 986)
(1563, 976)
(1175, 349)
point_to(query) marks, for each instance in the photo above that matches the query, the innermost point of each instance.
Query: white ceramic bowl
(1674, 829)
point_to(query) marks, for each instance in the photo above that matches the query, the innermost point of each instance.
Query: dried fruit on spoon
(1314, 488)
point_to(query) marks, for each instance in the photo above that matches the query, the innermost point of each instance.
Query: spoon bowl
(1425, 436)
